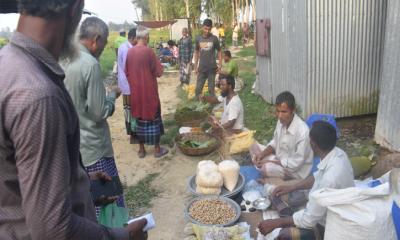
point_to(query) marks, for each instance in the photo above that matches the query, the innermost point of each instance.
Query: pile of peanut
(212, 211)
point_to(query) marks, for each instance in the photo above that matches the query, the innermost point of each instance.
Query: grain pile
(212, 211)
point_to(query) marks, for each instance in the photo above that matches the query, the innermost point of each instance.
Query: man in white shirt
(123, 84)
(334, 171)
(233, 116)
(288, 155)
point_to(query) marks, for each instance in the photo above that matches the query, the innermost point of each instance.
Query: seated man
(233, 115)
(165, 54)
(289, 154)
(334, 171)
(230, 67)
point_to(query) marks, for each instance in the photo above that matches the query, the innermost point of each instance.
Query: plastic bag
(113, 216)
(240, 142)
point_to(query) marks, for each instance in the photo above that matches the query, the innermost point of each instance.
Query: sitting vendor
(233, 114)
(334, 171)
(230, 67)
(165, 54)
(288, 155)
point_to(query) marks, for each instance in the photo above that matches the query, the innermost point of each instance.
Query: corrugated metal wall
(387, 132)
(327, 52)
(345, 42)
(285, 69)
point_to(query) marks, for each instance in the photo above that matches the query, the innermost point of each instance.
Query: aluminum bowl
(229, 201)
(224, 192)
(262, 204)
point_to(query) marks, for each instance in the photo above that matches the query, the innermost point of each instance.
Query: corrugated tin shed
(387, 132)
(326, 52)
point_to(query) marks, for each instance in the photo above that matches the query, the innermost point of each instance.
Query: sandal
(142, 154)
(162, 152)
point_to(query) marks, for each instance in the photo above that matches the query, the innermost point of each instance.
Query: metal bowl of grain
(212, 211)
(224, 192)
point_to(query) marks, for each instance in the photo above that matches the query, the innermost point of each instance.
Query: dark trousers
(201, 80)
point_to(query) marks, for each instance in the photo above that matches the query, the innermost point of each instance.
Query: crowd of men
(55, 136)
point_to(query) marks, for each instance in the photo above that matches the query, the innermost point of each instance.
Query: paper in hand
(150, 221)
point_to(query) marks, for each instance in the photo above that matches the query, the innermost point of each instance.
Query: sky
(109, 10)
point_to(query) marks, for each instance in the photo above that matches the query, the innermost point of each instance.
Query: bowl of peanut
(212, 211)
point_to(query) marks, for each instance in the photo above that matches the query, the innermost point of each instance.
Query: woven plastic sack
(241, 142)
(113, 216)
(358, 213)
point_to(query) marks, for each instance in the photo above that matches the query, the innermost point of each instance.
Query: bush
(3, 42)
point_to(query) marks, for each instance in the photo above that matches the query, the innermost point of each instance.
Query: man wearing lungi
(288, 155)
(84, 83)
(123, 82)
(142, 70)
(334, 171)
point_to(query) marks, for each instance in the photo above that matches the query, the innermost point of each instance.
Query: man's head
(185, 32)
(122, 33)
(226, 84)
(285, 105)
(132, 36)
(51, 10)
(227, 56)
(322, 137)
(207, 25)
(142, 34)
(94, 34)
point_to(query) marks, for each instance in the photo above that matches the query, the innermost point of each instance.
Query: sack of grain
(208, 190)
(230, 173)
(209, 179)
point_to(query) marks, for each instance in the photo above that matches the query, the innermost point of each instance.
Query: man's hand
(116, 91)
(257, 160)
(214, 122)
(135, 230)
(282, 190)
(268, 226)
(103, 200)
(102, 176)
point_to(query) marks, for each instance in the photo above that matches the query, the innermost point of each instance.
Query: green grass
(259, 115)
(138, 197)
(247, 52)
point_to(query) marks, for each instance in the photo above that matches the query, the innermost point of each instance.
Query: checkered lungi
(107, 165)
(127, 113)
(293, 233)
(150, 132)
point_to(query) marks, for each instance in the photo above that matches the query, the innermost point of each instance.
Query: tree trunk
(253, 6)
(237, 11)
(247, 12)
(187, 8)
(242, 11)
(233, 11)
(157, 12)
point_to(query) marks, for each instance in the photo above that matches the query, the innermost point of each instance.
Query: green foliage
(108, 56)
(138, 197)
(3, 42)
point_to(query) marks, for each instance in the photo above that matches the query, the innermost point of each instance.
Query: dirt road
(173, 170)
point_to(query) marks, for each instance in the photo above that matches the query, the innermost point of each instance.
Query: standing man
(123, 81)
(185, 57)
(142, 70)
(120, 40)
(205, 60)
(235, 34)
(84, 83)
(44, 189)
